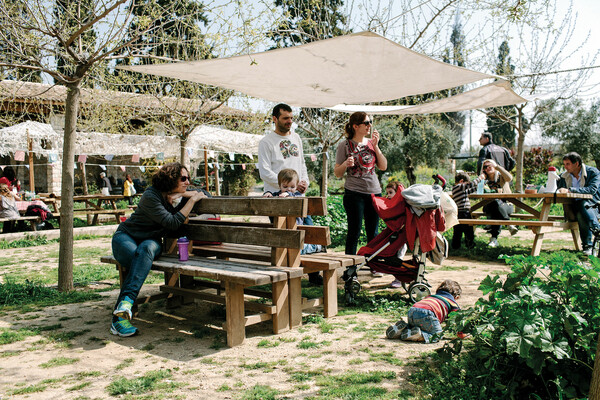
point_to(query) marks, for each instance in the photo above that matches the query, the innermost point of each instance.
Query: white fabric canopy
(43, 137)
(358, 68)
(495, 94)
(224, 140)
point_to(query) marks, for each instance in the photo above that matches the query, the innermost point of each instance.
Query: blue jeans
(587, 219)
(359, 206)
(427, 321)
(137, 259)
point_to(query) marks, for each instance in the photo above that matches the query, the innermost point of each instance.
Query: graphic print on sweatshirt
(288, 149)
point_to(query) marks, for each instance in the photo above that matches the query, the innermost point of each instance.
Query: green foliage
(28, 241)
(239, 181)
(533, 335)
(260, 392)
(574, 125)
(535, 165)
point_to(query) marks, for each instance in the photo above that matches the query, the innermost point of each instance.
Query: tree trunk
(520, 150)
(325, 172)
(185, 157)
(595, 384)
(65, 253)
(410, 172)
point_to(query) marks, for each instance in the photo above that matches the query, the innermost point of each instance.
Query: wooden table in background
(539, 221)
(94, 205)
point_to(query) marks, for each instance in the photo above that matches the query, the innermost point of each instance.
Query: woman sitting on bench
(137, 241)
(8, 208)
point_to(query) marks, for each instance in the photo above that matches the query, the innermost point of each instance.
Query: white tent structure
(223, 140)
(14, 138)
(353, 69)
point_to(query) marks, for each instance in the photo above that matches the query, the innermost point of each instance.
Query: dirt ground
(44, 367)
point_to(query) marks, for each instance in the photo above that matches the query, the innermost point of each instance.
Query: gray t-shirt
(361, 177)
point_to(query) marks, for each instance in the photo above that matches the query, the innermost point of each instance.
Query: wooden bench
(32, 220)
(96, 213)
(326, 263)
(557, 224)
(203, 278)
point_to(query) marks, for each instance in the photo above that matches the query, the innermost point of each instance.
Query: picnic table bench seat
(32, 220)
(556, 224)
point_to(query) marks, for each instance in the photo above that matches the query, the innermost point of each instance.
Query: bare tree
(35, 34)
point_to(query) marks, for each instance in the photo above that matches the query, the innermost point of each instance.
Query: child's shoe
(123, 328)
(396, 330)
(123, 310)
(396, 284)
(413, 334)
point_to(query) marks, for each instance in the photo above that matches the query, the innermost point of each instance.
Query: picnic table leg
(281, 296)
(330, 304)
(538, 231)
(234, 310)
(575, 235)
(295, 300)
(279, 255)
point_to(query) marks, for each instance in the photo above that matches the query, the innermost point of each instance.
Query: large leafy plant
(534, 333)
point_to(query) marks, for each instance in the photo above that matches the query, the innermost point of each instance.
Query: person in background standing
(490, 151)
(128, 189)
(105, 185)
(357, 157)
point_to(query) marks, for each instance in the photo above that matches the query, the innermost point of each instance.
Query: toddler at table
(460, 194)
(425, 316)
(288, 179)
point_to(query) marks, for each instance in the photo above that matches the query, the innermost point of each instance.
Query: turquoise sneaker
(123, 310)
(123, 328)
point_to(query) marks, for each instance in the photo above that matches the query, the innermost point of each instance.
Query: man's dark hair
(573, 157)
(488, 135)
(281, 106)
(9, 173)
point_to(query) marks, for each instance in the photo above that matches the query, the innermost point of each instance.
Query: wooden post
(31, 174)
(217, 188)
(206, 169)
(595, 383)
(85, 188)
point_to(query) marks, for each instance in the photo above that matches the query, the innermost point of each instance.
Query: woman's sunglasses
(366, 123)
(184, 178)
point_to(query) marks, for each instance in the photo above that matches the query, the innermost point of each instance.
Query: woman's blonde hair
(5, 191)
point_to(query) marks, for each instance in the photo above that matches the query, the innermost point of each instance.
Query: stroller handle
(439, 178)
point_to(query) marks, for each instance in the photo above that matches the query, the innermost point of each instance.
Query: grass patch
(29, 389)
(8, 336)
(58, 361)
(125, 363)
(356, 385)
(388, 357)
(34, 293)
(79, 387)
(27, 241)
(260, 392)
(267, 343)
(141, 385)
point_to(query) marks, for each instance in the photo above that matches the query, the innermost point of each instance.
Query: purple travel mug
(182, 245)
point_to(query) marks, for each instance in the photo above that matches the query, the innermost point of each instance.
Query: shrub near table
(533, 336)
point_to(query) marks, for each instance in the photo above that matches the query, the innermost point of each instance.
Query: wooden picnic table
(94, 206)
(538, 220)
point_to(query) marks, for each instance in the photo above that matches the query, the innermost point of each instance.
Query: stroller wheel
(418, 291)
(404, 287)
(354, 286)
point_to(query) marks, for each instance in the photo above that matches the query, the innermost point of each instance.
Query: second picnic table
(94, 206)
(539, 221)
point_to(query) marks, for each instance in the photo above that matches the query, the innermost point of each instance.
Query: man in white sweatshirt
(281, 149)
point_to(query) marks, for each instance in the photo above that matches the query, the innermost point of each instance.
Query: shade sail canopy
(495, 94)
(43, 138)
(358, 68)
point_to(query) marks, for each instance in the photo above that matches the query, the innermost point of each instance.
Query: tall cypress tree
(503, 132)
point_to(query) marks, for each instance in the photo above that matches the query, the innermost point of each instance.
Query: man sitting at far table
(581, 178)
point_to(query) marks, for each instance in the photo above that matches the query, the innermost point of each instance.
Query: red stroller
(385, 252)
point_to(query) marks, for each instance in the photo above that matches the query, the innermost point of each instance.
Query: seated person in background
(8, 208)
(138, 240)
(391, 189)
(425, 316)
(581, 178)
(498, 180)
(460, 194)
(288, 182)
(9, 178)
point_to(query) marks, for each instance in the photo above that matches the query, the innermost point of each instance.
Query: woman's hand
(349, 163)
(197, 196)
(375, 137)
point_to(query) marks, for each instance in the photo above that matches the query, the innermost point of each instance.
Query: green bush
(533, 336)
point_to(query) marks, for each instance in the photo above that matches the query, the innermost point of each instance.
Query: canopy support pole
(31, 174)
(206, 169)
